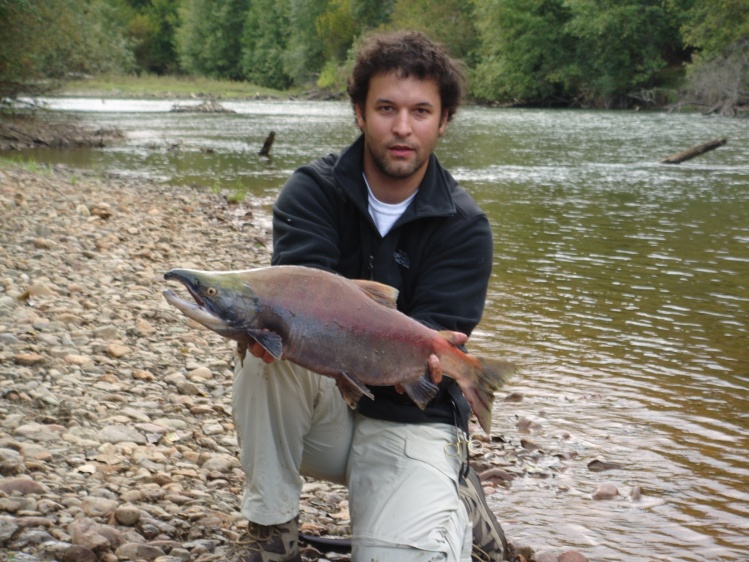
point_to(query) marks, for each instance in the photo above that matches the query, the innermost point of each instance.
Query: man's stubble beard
(395, 169)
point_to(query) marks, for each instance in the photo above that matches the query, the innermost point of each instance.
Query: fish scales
(337, 327)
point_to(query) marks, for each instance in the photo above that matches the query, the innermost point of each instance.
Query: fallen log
(694, 151)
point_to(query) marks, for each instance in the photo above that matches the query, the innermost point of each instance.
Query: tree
(619, 46)
(151, 31)
(304, 57)
(579, 52)
(715, 27)
(265, 38)
(449, 21)
(342, 27)
(209, 37)
(337, 28)
(523, 50)
(371, 14)
(42, 42)
(719, 32)
(722, 83)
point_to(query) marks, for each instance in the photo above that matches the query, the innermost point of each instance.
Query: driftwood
(694, 151)
(265, 151)
(208, 106)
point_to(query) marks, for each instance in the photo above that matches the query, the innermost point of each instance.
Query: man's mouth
(400, 150)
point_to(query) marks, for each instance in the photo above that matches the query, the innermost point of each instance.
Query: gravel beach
(116, 434)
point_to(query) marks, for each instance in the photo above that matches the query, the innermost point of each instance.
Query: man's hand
(433, 363)
(260, 352)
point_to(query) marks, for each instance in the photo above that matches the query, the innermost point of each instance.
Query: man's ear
(443, 123)
(359, 110)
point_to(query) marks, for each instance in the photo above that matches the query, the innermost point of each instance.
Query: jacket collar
(434, 198)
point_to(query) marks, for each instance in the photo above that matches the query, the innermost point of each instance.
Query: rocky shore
(38, 129)
(116, 435)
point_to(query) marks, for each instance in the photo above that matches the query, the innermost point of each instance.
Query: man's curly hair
(408, 54)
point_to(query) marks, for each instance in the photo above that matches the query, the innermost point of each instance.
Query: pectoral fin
(271, 341)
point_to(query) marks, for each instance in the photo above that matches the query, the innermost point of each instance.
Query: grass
(149, 85)
(26, 165)
(234, 194)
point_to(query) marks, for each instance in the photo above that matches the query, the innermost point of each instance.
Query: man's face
(401, 121)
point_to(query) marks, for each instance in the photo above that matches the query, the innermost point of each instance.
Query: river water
(620, 285)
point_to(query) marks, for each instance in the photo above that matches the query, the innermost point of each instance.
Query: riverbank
(115, 417)
(177, 87)
(42, 129)
(116, 437)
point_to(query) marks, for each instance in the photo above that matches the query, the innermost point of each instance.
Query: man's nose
(402, 124)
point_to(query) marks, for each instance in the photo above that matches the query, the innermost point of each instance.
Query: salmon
(337, 327)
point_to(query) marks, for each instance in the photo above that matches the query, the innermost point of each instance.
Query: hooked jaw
(189, 281)
(223, 303)
(200, 310)
(197, 312)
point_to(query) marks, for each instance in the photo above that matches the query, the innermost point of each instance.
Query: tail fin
(489, 375)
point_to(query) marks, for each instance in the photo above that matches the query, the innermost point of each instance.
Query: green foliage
(586, 52)
(304, 56)
(152, 33)
(336, 27)
(618, 45)
(341, 28)
(41, 42)
(171, 85)
(717, 26)
(209, 39)
(524, 47)
(264, 41)
(371, 14)
(27, 165)
(720, 34)
(573, 52)
(449, 21)
(234, 194)
(334, 75)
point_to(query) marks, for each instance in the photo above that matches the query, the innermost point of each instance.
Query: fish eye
(211, 291)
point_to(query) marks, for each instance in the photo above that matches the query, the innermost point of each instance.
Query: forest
(547, 53)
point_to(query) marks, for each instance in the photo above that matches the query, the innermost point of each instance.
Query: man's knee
(395, 554)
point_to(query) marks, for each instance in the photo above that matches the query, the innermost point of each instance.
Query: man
(384, 209)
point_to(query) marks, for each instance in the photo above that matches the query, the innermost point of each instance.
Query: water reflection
(621, 286)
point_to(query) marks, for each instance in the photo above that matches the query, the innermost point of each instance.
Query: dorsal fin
(379, 292)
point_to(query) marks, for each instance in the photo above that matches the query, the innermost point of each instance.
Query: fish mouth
(201, 310)
(187, 284)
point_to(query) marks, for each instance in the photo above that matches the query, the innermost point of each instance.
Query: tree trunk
(694, 151)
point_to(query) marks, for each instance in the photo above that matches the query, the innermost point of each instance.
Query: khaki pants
(402, 479)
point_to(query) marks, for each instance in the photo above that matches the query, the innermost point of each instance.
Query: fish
(347, 329)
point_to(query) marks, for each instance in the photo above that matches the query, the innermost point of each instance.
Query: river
(620, 285)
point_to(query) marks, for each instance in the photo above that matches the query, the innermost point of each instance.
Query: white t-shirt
(384, 215)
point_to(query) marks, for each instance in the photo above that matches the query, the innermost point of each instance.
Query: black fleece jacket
(438, 255)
